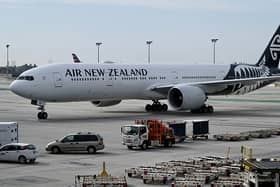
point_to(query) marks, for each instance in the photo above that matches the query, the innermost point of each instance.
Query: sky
(48, 31)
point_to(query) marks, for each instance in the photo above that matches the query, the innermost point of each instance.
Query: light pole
(7, 70)
(214, 40)
(98, 45)
(149, 42)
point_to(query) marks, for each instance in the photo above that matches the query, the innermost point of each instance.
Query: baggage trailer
(145, 133)
(189, 128)
(197, 128)
(8, 132)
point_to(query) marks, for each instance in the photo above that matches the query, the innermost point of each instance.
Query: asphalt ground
(233, 114)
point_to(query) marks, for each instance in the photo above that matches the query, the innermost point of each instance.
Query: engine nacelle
(106, 103)
(183, 97)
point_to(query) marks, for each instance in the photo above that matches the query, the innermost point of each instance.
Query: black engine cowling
(106, 103)
(185, 97)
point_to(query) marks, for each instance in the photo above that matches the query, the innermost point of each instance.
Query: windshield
(128, 130)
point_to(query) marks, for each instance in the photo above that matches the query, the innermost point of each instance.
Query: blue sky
(48, 31)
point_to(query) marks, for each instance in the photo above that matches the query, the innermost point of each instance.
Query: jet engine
(106, 103)
(185, 97)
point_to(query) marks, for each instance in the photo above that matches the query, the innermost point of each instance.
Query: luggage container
(8, 132)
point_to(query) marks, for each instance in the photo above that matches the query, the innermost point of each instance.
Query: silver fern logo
(275, 47)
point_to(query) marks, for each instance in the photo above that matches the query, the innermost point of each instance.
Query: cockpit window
(28, 78)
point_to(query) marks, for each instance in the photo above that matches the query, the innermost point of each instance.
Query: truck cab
(135, 135)
(147, 133)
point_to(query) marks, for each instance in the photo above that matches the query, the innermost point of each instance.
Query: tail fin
(75, 58)
(271, 55)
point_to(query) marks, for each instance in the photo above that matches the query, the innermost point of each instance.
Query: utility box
(8, 132)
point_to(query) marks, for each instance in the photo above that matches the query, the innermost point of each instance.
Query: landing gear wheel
(204, 109)
(164, 107)
(42, 115)
(210, 109)
(148, 108)
(156, 107)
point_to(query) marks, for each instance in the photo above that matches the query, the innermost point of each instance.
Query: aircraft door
(57, 77)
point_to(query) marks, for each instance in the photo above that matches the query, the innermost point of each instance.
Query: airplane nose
(14, 87)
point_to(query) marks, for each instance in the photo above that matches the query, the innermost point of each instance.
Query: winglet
(75, 58)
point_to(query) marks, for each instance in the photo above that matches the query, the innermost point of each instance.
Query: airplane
(186, 87)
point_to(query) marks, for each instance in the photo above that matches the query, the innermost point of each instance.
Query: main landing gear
(42, 114)
(156, 107)
(204, 109)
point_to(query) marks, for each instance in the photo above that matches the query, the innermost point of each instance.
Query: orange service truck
(145, 133)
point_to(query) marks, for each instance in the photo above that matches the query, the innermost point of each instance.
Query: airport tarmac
(258, 110)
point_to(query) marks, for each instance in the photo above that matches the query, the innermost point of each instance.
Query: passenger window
(92, 138)
(68, 139)
(79, 138)
(11, 148)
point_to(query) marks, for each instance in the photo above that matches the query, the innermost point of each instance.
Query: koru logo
(275, 47)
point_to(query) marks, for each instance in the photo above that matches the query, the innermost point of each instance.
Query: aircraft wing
(209, 86)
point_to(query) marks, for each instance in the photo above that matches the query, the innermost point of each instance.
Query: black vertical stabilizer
(271, 54)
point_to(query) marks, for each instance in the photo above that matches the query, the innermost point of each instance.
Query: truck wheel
(22, 159)
(144, 146)
(129, 147)
(169, 143)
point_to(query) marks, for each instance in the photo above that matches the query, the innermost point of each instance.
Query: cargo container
(189, 129)
(8, 132)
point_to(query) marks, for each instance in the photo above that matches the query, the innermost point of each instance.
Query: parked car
(18, 152)
(81, 141)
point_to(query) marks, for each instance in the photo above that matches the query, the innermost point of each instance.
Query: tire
(210, 109)
(144, 146)
(168, 143)
(91, 150)
(22, 159)
(39, 115)
(148, 108)
(44, 115)
(164, 107)
(55, 150)
(129, 147)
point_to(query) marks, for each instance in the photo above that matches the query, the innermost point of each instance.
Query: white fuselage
(89, 82)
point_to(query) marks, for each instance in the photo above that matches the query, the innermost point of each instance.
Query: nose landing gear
(42, 114)
(156, 107)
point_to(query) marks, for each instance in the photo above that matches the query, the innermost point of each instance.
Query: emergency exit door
(57, 77)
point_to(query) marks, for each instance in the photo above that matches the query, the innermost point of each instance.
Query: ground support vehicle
(201, 171)
(189, 129)
(159, 177)
(18, 152)
(8, 132)
(231, 137)
(265, 133)
(145, 133)
(101, 180)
